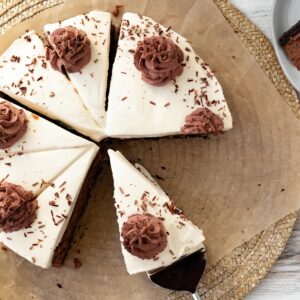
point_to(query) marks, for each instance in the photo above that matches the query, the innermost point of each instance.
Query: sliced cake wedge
(28, 77)
(160, 86)
(154, 233)
(91, 80)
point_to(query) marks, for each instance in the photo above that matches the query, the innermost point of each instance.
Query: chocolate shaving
(15, 58)
(27, 38)
(62, 184)
(52, 203)
(23, 90)
(121, 190)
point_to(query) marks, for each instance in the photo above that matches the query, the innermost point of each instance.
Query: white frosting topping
(26, 76)
(52, 163)
(42, 135)
(138, 109)
(91, 81)
(137, 192)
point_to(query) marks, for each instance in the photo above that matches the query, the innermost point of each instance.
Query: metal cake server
(182, 275)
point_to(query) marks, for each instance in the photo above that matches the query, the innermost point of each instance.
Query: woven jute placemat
(240, 271)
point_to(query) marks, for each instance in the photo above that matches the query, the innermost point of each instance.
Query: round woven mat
(240, 271)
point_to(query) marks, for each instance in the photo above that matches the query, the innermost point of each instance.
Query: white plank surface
(283, 281)
(258, 11)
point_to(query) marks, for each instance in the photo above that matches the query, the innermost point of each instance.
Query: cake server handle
(196, 296)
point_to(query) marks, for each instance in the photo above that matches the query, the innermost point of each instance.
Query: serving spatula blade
(183, 275)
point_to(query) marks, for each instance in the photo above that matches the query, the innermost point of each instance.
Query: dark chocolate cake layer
(290, 43)
(284, 39)
(63, 247)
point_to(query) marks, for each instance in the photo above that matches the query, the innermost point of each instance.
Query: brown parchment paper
(233, 185)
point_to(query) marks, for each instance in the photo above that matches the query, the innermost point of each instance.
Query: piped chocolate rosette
(202, 121)
(13, 124)
(69, 49)
(17, 207)
(144, 236)
(159, 60)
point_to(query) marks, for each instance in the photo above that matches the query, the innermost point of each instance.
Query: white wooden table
(283, 281)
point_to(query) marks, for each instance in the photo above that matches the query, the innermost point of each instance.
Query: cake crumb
(36, 117)
(116, 11)
(77, 263)
(158, 177)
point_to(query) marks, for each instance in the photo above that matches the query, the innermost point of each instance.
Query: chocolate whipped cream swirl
(144, 236)
(202, 121)
(13, 124)
(70, 49)
(159, 59)
(17, 207)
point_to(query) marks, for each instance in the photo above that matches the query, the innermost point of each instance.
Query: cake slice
(154, 232)
(45, 175)
(91, 80)
(28, 77)
(290, 43)
(160, 87)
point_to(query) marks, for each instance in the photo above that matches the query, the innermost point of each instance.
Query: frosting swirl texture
(17, 207)
(159, 59)
(55, 61)
(144, 236)
(13, 124)
(202, 121)
(71, 49)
